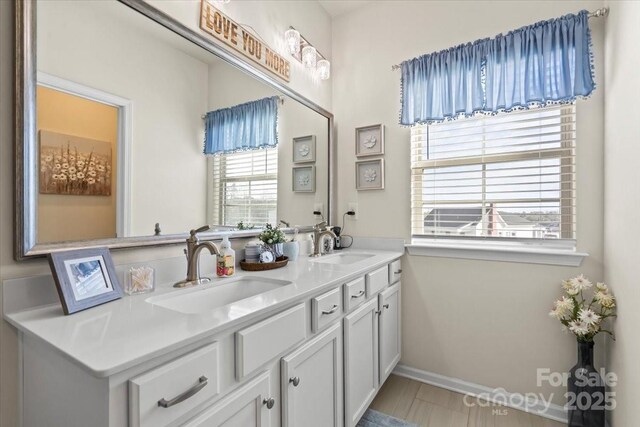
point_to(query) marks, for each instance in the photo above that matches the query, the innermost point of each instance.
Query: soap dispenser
(226, 260)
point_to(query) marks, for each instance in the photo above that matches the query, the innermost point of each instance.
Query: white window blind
(508, 176)
(245, 187)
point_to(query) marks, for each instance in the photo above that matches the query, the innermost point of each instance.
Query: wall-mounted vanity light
(309, 56)
(292, 37)
(324, 69)
(304, 52)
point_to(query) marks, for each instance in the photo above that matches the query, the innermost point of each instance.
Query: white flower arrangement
(581, 315)
(272, 235)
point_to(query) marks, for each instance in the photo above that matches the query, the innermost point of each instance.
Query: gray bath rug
(373, 418)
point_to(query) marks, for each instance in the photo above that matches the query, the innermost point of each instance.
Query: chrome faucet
(319, 231)
(194, 247)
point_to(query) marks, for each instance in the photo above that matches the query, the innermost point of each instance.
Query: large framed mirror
(111, 98)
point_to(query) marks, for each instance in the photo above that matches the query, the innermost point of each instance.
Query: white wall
(270, 19)
(622, 200)
(167, 88)
(313, 21)
(296, 121)
(484, 322)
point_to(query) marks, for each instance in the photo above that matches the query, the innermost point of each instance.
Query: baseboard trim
(554, 412)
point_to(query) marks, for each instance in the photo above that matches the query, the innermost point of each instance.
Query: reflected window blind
(245, 187)
(508, 176)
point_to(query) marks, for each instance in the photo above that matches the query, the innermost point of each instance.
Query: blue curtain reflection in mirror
(247, 126)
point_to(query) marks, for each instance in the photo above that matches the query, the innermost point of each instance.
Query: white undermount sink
(204, 298)
(342, 258)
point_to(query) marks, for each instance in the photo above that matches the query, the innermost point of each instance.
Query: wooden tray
(263, 266)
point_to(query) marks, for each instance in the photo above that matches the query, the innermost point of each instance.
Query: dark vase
(586, 396)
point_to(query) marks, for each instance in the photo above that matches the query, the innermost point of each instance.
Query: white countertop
(115, 336)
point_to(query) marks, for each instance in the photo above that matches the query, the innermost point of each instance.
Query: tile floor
(430, 406)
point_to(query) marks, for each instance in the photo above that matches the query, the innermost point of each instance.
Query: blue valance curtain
(548, 62)
(246, 126)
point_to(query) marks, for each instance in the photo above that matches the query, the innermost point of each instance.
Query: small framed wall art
(84, 278)
(304, 179)
(304, 149)
(370, 174)
(370, 141)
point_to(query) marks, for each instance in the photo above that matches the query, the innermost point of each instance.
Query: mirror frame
(26, 178)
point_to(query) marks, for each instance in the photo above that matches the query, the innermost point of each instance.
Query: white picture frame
(370, 174)
(304, 179)
(370, 140)
(304, 149)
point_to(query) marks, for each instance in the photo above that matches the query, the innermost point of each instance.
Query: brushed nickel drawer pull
(386, 306)
(333, 309)
(358, 295)
(398, 271)
(295, 381)
(202, 382)
(269, 402)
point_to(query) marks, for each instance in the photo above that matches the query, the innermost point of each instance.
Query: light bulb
(324, 69)
(292, 38)
(309, 56)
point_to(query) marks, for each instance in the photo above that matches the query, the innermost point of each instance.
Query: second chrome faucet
(319, 231)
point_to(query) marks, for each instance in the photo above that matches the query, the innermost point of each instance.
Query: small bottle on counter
(226, 261)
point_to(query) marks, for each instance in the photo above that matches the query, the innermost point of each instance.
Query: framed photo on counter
(84, 278)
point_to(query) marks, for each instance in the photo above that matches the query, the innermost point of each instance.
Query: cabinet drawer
(354, 294)
(377, 280)
(262, 342)
(326, 308)
(160, 396)
(395, 271)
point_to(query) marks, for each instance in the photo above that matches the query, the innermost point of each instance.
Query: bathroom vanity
(307, 345)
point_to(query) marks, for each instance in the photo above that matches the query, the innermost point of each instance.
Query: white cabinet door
(312, 382)
(390, 333)
(361, 360)
(246, 407)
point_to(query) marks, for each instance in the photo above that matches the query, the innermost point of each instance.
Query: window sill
(488, 252)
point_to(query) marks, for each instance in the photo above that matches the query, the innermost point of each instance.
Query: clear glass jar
(140, 280)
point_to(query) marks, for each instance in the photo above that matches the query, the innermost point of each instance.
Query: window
(505, 177)
(245, 187)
